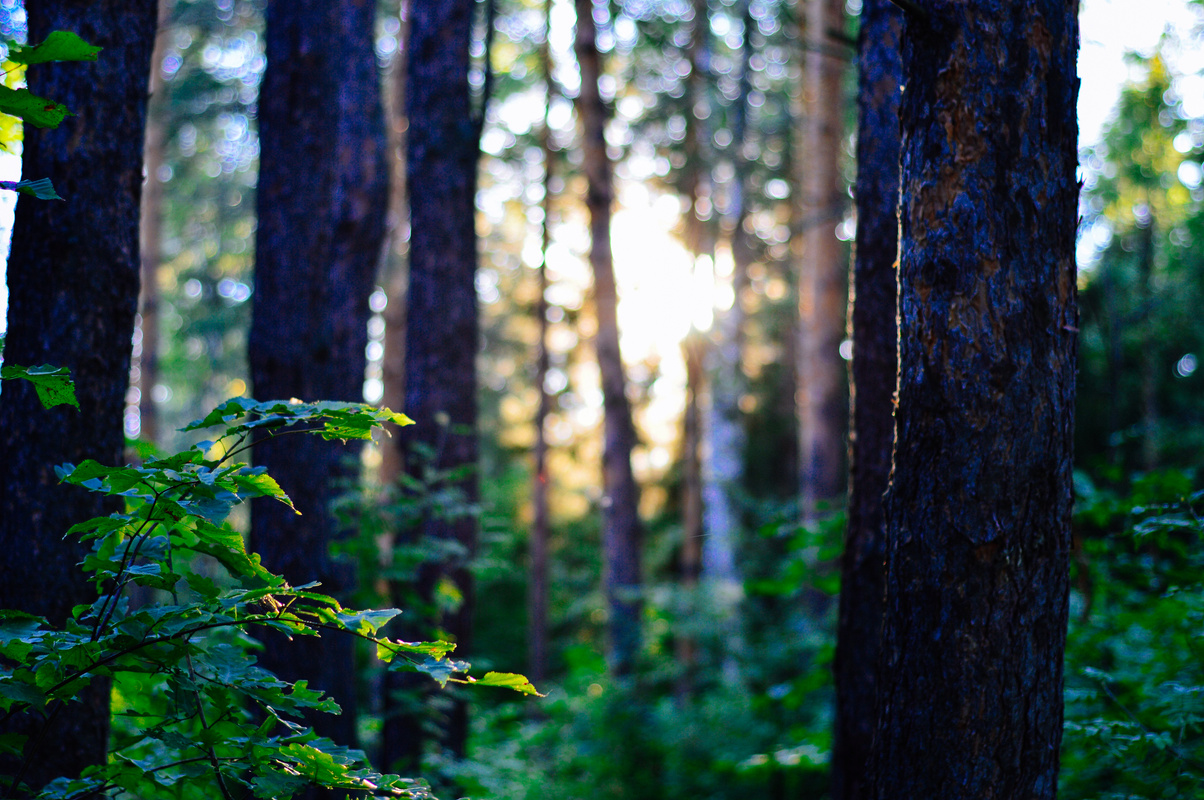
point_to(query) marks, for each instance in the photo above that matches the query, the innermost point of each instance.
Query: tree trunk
(73, 291)
(441, 341)
(693, 351)
(622, 530)
(537, 597)
(874, 368)
(321, 202)
(151, 233)
(393, 271)
(1149, 362)
(822, 296)
(978, 511)
(723, 427)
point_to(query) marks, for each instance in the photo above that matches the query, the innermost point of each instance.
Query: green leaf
(33, 109)
(367, 622)
(53, 384)
(42, 188)
(58, 46)
(507, 680)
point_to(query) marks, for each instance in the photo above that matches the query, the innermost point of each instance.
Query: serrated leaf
(42, 188)
(441, 669)
(367, 622)
(506, 680)
(33, 109)
(58, 46)
(53, 384)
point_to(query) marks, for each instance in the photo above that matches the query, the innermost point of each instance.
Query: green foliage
(195, 715)
(20, 103)
(1134, 662)
(58, 46)
(53, 384)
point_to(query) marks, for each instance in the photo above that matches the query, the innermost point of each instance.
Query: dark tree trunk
(872, 308)
(622, 530)
(978, 511)
(73, 291)
(822, 295)
(442, 146)
(321, 205)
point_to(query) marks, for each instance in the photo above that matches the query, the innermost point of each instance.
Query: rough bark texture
(73, 284)
(978, 511)
(321, 203)
(873, 371)
(441, 341)
(622, 530)
(822, 295)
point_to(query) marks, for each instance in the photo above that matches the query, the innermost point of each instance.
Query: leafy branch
(199, 684)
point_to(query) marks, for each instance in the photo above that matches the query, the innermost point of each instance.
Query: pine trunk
(622, 530)
(442, 333)
(537, 603)
(151, 232)
(823, 298)
(874, 368)
(978, 512)
(723, 425)
(321, 202)
(73, 291)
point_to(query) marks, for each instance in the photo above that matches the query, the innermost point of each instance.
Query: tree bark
(321, 202)
(873, 372)
(73, 291)
(151, 236)
(693, 351)
(822, 409)
(442, 149)
(622, 530)
(723, 426)
(978, 511)
(537, 592)
(394, 272)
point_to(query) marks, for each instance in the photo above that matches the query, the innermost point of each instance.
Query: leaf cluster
(19, 102)
(196, 716)
(1134, 662)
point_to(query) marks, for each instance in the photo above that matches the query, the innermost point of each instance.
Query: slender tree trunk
(723, 428)
(401, 733)
(622, 530)
(978, 511)
(393, 271)
(1150, 363)
(73, 291)
(694, 350)
(537, 604)
(699, 242)
(873, 371)
(441, 342)
(822, 295)
(151, 234)
(321, 203)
